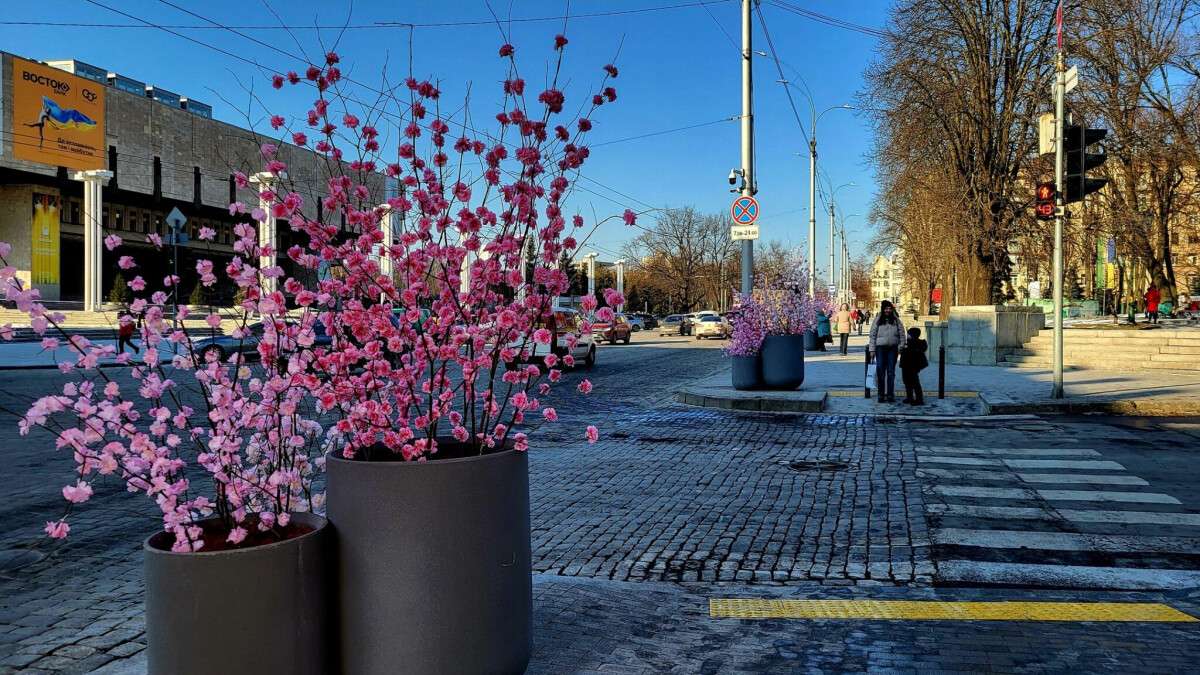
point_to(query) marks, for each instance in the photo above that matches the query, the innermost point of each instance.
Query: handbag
(870, 381)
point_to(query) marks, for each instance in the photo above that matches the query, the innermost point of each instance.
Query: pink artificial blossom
(593, 434)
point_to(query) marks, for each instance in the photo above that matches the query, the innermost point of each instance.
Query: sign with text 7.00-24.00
(57, 118)
(744, 212)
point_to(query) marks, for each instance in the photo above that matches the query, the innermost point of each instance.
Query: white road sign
(739, 232)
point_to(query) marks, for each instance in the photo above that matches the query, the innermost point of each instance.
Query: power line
(782, 80)
(720, 26)
(378, 25)
(667, 131)
(831, 21)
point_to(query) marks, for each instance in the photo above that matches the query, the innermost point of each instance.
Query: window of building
(146, 221)
(158, 223)
(74, 211)
(104, 217)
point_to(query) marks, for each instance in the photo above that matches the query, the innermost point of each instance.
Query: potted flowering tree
(236, 576)
(788, 313)
(748, 321)
(445, 336)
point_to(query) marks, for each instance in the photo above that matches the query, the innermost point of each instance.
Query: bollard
(941, 371)
(866, 367)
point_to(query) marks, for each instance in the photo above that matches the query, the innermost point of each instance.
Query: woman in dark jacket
(887, 339)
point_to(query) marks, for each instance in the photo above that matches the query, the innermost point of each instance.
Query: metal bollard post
(941, 371)
(866, 367)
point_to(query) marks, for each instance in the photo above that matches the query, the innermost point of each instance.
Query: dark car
(671, 325)
(648, 320)
(222, 346)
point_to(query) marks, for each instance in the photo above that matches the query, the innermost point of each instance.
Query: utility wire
(732, 118)
(782, 80)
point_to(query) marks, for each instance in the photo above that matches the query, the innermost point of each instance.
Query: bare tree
(688, 257)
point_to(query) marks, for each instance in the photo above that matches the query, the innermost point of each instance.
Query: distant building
(887, 281)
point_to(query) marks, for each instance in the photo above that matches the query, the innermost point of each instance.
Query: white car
(710, 326)
(564, 322)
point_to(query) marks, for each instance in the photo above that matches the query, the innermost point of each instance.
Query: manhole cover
(16, 558)
(815, 465)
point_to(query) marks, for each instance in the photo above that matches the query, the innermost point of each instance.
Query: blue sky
(678, 68)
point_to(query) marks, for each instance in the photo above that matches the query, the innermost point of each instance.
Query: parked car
(563, 323)
(649, 322)
(636, 322)
(223, 346)
(689, 321)
(671, 325)
(710, 326)
(612, 332)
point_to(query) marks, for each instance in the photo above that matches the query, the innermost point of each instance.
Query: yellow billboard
(46, 220)
(58, 118)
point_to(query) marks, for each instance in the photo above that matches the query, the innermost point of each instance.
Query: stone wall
(981, 335)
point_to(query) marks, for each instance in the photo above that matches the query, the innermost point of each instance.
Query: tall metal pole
(832, 243)
(747, 141)
(812, 208)
(1060, 86)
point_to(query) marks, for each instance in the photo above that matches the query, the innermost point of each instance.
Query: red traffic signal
(1044, 207)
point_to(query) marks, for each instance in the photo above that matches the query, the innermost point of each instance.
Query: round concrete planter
(256, 610)
(433, 564)
(747, 372)
(783, 361)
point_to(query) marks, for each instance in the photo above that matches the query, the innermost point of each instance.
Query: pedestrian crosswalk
(1062, 517)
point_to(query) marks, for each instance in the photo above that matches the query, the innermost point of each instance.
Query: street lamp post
(832, 196)
(812, 192)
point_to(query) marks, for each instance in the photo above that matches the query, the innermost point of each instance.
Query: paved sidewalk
(1001, 389)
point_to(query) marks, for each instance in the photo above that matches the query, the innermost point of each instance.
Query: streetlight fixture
(832, 196)
(812, 191)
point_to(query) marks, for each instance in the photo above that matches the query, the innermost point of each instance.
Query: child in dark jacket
(912, 362)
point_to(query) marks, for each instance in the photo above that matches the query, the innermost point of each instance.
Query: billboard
(46, 220)
(57, 118)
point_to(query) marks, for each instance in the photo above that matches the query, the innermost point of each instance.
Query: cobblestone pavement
(631, 537)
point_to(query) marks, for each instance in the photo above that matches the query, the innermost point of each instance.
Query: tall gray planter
(257, 610)
(747, 372)
(433, 564)
(783, 361)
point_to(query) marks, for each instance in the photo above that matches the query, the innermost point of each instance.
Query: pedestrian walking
(125, 328)
(858, 320)
(841, 324)
(1152, 297)
(824, 333)
(912, 361)
(887, 338)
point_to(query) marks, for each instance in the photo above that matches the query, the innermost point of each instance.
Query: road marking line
(1064, 541)
(1062, 464)
(1020, 452)
(997, 474)
(935, 610)
(1025, 513)
(1068, 478)
(1065, 576)
(1055, 495)
(966, 461)
(987, 492)
(1108, 496)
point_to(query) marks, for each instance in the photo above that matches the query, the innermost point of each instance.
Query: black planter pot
(810, 340)
(783, 361)
(433, 564)
(747, 372)
(256, 610)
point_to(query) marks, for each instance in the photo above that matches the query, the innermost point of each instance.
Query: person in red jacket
(1152, 299)
(125, 334)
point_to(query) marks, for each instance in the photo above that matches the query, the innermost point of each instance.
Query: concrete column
(620, 281)
(93, 235)
(268, 234)
(591, 272)
(386, 225)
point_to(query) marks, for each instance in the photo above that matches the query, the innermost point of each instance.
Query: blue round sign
(744, 210)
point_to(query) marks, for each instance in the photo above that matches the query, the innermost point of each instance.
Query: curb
(807, 402)
(994, 404)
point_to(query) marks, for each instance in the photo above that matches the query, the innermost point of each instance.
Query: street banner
(57, 118)
(45, 240)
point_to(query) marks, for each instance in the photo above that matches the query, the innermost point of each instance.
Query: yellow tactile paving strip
(919, 610)
(849, 393)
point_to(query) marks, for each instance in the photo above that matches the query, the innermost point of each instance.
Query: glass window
(104, 217)
(146, 221)
(118, 221)
(75, 211)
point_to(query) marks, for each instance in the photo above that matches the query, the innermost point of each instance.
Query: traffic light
(1044, 204)
(1076, 139)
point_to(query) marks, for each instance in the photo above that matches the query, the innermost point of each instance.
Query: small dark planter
(747, 372)
(433, 564)
(810, 340)
(257, 610)
(783, 361)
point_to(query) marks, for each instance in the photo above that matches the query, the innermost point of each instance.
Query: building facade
(136, 154)
(887, 281)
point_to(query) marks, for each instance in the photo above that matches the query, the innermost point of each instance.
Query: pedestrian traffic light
(1044, 204)
(1076, 139)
